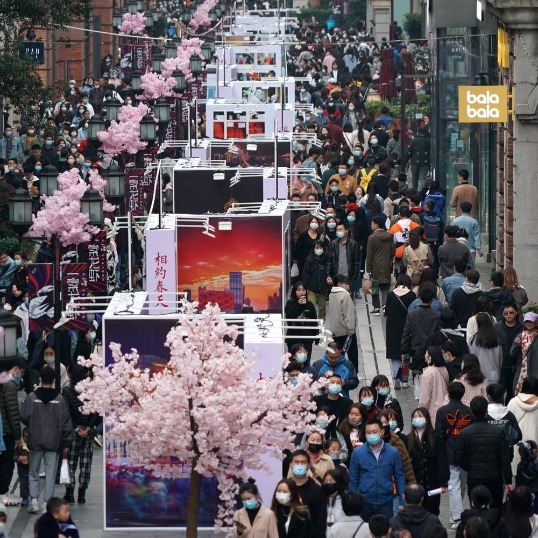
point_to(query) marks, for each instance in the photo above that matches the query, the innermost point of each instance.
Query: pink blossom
(125, 135)
(61, 215)
(133, 24)
(187, 48)
(201, 15)
(155, 86)
(222, 423)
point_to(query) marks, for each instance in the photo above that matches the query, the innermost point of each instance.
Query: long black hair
(414, 442)
(293, 292)
(486, 335)
(471, 370)
(312, 258)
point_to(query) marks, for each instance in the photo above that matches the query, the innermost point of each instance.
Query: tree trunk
(193, 503)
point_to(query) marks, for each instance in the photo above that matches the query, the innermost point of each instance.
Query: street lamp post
(113, 106)
(48, 180)
(10, 325)
(95, 125)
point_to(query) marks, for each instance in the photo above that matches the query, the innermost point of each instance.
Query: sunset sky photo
(253, 246)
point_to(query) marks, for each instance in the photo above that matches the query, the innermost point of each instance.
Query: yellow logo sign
(482, 104)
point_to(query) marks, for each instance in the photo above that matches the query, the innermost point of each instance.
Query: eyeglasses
(510, 313)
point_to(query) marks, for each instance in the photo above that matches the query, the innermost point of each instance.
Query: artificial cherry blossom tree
(125, 134)
(218, 418)
(61, 216)
(201, 15)
(133, 24)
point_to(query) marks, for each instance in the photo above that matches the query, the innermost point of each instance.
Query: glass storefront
(463, 57)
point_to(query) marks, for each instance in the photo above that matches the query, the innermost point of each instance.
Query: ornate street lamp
(115, 181)
(113, 106)
(157, 60)
(20, 208)
(206, 52)
(10, 325)
(117, 19)
(95, 125)
(180, 81)
(162, 110)
(91, 204)
(170, 50)
(150, 18)
(132, 6)
(48, 180)
(148, 129)
(210, 40)
(195, 63)
(136, 80)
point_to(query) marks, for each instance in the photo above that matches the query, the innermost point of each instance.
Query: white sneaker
(455, 524)
(34, 507)
(405, 385)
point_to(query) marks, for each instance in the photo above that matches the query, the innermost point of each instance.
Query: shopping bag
(294, 271)
(64, 472)
(416, 386)
(403, 373)
(366, 285)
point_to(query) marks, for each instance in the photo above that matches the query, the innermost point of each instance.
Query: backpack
(432, 228)
(366, 177)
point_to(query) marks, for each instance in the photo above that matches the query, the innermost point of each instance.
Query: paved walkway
(372, 361)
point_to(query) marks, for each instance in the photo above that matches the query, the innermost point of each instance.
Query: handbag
(294, 271)
(366, 285)
(64, 472)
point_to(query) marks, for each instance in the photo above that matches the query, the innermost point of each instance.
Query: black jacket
(352, 252)
(506, 421)
(497, 297)
(339, 407)
(313, 496)
(430, 464)
(418, 151)
(9, 407)
(359, 230)
(527, 474)
(507, 336)
(450, 421)
(298, 528)
(315, 274)
(414, 519)
(48, 527)
(74, 406)
(462, 304)
(490, 515)
(419, 325)
(302, 313)
(482, 451)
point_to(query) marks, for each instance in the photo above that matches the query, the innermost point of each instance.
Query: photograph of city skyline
(239, 268)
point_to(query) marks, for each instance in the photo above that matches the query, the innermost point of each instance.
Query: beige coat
(264, 525)
(433, 389)
(416, 260)
(465, 192)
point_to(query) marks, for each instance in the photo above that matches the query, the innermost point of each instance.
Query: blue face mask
(393, 425)
(301, 357)
(350, 219)
(18, 262)
(351, 162)
(250, 504)
(87, 165)
(367, 402)
(318, 252)
(91, 337)
(342, 171)
(335, 457)
(357, 153)
(17, 378)
(446, 358)
(334, 188)
(293, 382)
(299, 471)
(334, 388)
(340, 235)
(373, 439)
(37, 168)
(48, 142)
(383, 392)
(419, 422)
(331, 225)
(322, 424)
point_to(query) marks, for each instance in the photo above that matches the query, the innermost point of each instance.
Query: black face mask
(329, 489)
(315, 447)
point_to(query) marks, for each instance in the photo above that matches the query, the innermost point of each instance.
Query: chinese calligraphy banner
(74, 284)
(95, 254)
(161, 271)
(134, 191)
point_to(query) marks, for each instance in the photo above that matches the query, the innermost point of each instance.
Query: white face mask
(282, 498)
(314, 225)
(49, 359)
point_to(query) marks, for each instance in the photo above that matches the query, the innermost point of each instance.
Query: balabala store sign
(482, 104)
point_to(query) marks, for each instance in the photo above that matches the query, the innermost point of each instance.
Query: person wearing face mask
(383, 399)
(299, 361)
(11, 373)
(346, 183)
(86, 341)
(375, 148)
(305, 243)
(303, 186)
(451, 419)
(336, 448)
(334, 487)
(329, 231)
(310, 493)
(253, 519)
(352, 428)
(334, 362)
(429, 457)
(333, 192)
(375, 466)
(27, 140)
(299, 308)
(8, 269)
(48, 151)
(434, 382)
(9, 145)
(13, 175)
(320, 463)
(49, 356)
(293, 517)
(315, 276)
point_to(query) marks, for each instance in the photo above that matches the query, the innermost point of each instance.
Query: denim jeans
(458, 480)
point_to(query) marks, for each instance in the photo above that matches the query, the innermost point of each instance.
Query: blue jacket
(7, 273)
(471, 226)
(451, 283)
(440, 200)
(372, 477)
(14, 153)
(344, 369)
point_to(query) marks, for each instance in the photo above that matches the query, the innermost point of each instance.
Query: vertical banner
(149, 157)
(171, 129)
(161, 270)
(74, 284)
(95, 254)
(142, 56)
(134, 193)
(183, 113)
(41, 296)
